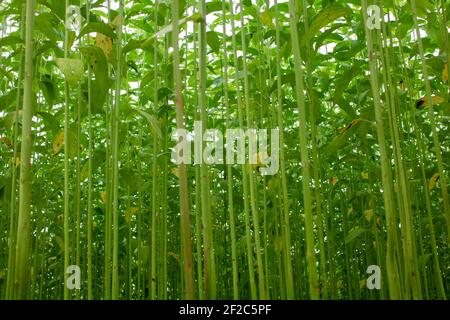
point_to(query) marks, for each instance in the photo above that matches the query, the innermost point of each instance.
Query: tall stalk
(289, 280)
(209, 259)
(89, 271)
(411, 263)
(306, 180)
(184, 196)
(66, 165)
(229, 174)
(154, 211)
(22, 265)
(115, 159)
(386, 174)
(253, 206)
(13, 203)
(240, 103)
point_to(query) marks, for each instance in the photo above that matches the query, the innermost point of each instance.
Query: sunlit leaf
(58, 142)
(105, 43)
(423, 102)
(368, 214)
(72, 69)
(267, 19)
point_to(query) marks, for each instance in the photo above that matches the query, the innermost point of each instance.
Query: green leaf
(8, 99)
(422, 6)
(10, 41)
(57, 7)
(153, 123)
(51, 123)
(133, 44)
(98, 159)
(338, 141)
(354, 234)
(424, 259)
(329, 35)
(323, 18)
(343, 82)
(213, 40)
(285, 79)
(99, 27)
(99, 93)
(47, 24)
(129, 176)
(60, 242)
(49, 91)
(215, 6)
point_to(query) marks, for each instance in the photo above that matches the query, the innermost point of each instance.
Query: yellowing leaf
(350, 125)
(129, 213)
(261, 158)
(117, 22)
(401, 85)
(333, 181)
(266, 18)
(433, 181)
(175, 171)
(17, 161)
(364, 175)
(58, 142)
(270, 184)
(104, 196)
(98, 63)
(7, 142)
(423, 102)
(368, 214)
(345, 134)
(105, 43)
(258, 159)
(437, 100)
(445, 73)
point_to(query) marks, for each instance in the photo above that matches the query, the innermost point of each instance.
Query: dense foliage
(88, 105)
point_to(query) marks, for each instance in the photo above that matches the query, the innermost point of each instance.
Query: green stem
(22, 274)
(306, 180)
(184, 196)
